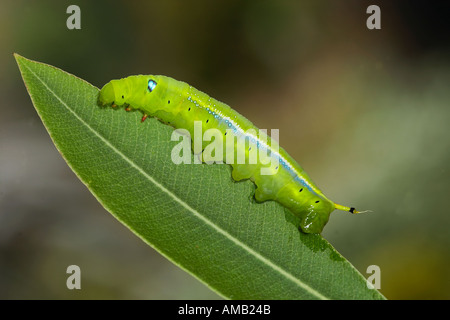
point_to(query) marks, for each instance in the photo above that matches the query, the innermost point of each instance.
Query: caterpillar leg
(144, 117)
(261, 196)
(237, 175)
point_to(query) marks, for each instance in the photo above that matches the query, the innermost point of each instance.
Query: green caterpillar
(178, 104)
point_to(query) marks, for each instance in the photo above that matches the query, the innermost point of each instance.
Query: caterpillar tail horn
(349, 209)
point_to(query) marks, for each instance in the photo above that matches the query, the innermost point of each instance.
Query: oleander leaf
(193, 214)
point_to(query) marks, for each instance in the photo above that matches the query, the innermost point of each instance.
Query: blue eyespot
(151, 85)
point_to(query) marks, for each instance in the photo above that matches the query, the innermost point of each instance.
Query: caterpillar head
(134, 91)
(114, 92)
(106, 95)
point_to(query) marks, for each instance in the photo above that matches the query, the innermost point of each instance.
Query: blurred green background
(365, 112)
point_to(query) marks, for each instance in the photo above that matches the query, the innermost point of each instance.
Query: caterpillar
(180, 105)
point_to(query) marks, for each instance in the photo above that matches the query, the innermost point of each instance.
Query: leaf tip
(17, 56)
(19, 59)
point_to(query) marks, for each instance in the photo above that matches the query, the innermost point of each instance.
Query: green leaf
(195, 215)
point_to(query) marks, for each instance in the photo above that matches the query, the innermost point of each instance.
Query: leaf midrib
(197, 214)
